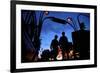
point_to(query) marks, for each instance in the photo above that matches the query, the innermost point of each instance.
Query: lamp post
(61, 21)
(38, 31)
(40, 22)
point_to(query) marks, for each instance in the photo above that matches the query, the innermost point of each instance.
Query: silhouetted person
(63, 42)
(54, 47)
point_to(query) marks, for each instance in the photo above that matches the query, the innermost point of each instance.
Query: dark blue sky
(50, 28)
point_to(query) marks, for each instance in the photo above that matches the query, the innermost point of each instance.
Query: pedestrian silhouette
(54, 47)
(63, 42)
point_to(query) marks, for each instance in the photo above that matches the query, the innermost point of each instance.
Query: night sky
(50, 28)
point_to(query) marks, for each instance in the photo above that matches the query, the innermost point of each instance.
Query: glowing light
(71, 54)
(46, 12)
(59, 56)
(69, 19)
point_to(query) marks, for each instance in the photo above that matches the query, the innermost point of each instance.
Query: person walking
(63, 42)
(54, 47)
